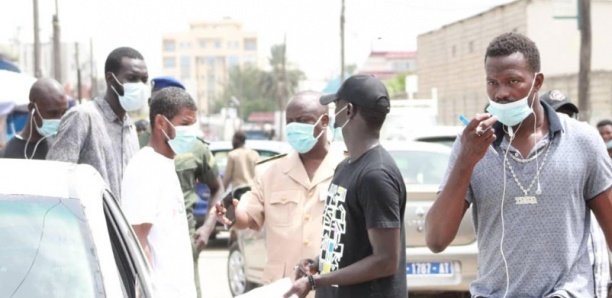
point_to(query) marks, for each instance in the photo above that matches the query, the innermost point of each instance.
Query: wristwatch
(311, 282)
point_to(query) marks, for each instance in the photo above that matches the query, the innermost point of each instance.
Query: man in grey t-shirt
(100, 133)
(531, 202)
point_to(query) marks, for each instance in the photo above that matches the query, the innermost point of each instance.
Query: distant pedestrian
(363, 245)
(605, 130)
(240, 168)
(560, 103)
(101, 133)
(152, 199)
(48, 103)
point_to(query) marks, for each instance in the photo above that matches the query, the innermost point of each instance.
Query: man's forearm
(369, 268)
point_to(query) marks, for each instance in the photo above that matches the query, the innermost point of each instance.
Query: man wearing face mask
(287, 198)
(531, 202)
(363, 242)
(47, 105)
(155, 206)
(100, 133)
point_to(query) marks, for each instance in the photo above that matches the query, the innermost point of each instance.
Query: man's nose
(502, 95)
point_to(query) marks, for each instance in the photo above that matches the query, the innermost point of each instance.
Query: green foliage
(397, 86)
(258, 90)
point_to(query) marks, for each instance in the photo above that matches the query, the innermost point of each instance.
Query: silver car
(423, 166)
(62, 234)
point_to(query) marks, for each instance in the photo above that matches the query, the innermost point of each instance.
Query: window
(185, 67)
(471, 46)
(169, 62)
(250, 44)
(453, 51)
(217, 43)
(232, 60)
(202, 43)
(169, 45)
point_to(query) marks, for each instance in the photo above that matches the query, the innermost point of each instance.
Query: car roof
(415, 146)
(439, 131)
(277, 146)
(48, 178)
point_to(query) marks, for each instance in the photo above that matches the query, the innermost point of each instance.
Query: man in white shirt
(152, 199)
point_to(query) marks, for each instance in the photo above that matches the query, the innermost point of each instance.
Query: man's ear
(325, 120)
(539, 81)
(31, 107)
(350, 110)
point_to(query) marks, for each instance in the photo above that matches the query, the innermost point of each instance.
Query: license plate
(429, 268)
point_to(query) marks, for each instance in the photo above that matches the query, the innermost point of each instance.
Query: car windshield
(421, 167)
(45, 249)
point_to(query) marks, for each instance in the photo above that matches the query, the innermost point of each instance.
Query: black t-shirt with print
(364, 194)
(14, 149)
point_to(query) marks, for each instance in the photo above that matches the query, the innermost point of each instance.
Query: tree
(397, 86)
(245, 84)
(280, 83)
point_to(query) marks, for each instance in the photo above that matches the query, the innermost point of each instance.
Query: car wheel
(236, 275)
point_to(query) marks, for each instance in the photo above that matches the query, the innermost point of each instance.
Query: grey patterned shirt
(93, 134)
(547, 237)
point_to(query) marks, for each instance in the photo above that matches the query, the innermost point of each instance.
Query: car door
(129, 258)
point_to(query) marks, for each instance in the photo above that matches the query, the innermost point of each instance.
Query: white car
(63, 235)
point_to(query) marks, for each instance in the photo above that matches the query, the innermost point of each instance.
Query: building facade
(387, 64)
(202, 57)
(451, 59)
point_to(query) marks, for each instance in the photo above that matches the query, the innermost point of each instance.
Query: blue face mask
(184, 138)
(337, 131)
(301, 136)
(49, 127)
(134, 95)
(513, 113)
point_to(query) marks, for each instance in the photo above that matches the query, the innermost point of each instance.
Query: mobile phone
(228, 204)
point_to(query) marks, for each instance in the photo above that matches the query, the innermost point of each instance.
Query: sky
(311, 27)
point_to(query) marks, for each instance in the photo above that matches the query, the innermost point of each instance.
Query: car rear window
(46, 249)
(421, 167)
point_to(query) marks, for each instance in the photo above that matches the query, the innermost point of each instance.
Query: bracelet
(311, 282)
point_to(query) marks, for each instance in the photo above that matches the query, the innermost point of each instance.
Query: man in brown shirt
(240, 168)
(288, 196)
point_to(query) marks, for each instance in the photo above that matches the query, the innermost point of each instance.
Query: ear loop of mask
(512, 135)
(25, 148)
(322, 130)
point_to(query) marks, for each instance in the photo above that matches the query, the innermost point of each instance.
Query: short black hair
(239, 138)
(604, 122)
(113, 61)
(169, 102)
(373, 118)
(510, 43)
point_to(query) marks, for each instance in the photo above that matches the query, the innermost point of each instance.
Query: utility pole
(283, 89)
(342, 42)
(37, 71)
(584, 24)
(78, 68)
(92, 71)
(57, 62)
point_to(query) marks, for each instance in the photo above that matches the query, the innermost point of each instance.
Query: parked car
(64, 235)
(444, 135)
(266, 149)
(423, 166)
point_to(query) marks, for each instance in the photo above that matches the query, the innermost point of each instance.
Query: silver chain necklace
(535, 178)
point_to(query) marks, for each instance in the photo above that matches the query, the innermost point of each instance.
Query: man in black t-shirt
(362, 249)
(48, 103)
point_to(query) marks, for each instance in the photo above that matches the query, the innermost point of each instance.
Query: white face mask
(134, 95)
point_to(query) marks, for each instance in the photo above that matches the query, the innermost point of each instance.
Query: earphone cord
(501, 242)
(25, 148)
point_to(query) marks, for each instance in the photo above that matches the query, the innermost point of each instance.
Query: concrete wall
(451, 58)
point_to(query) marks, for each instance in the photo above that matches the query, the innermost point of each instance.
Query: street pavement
(213, 268)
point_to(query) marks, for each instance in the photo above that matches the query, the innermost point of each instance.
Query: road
(213, 269)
